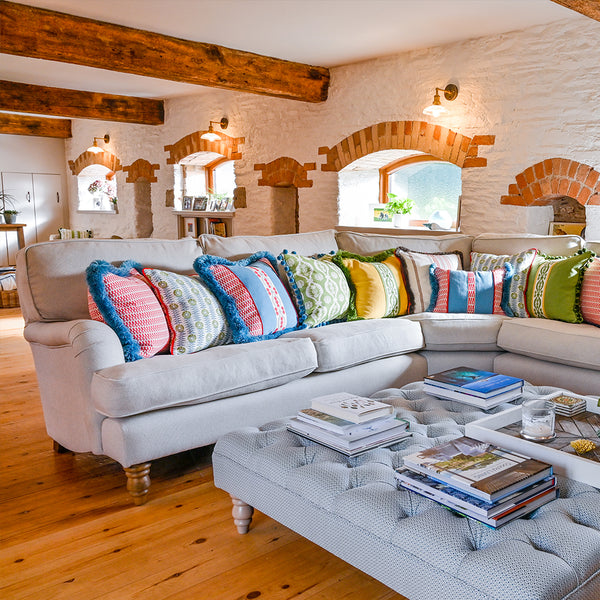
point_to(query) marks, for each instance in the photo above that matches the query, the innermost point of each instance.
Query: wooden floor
(68, 529)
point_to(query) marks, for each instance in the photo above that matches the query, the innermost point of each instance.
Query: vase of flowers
(102, 190)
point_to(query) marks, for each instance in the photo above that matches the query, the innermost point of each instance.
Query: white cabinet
(41, 204)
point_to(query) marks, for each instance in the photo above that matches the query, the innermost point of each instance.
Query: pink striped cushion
(590, 293)
(138, 309)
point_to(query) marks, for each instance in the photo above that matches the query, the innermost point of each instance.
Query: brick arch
(192, 143)
(539, 184)
(141, 168)
(85, 159)
(436, 140)
(285, 172)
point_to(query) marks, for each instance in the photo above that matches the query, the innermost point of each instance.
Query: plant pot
(10, 219)
(401, 221)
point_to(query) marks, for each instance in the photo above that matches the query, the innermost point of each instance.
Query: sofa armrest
(66, 356)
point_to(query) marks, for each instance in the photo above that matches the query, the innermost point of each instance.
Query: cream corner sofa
(136, 412)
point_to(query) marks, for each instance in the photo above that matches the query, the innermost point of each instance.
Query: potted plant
(399, 208)
(9, 214)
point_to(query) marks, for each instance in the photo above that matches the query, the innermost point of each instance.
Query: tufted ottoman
(353, 508)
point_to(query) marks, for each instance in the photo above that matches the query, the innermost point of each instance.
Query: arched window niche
(434, 186)
(96, 190)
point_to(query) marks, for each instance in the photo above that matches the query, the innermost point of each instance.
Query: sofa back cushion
(510, 243)
(242, 246)
(51, 275)
(368, 244)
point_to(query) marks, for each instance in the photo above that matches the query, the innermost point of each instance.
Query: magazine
(479, 468)
(351, 407)
(455, 498)
(347, 428)
(474, 381)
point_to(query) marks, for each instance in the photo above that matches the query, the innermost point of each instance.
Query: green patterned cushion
(554, 287)
(320, 288)
(194, 315)
(515, 304)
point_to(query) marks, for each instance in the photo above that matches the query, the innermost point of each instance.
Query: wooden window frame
(391, 168)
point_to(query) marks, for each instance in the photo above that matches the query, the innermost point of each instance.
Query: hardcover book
(466, 398)
(339, 426)
(484, 384)
(351, 407)
(481, 469)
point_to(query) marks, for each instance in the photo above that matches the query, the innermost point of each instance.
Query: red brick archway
(85, 159)
(285, 172)
(141, 168)
(421, 136)
(192, 143)
(539, 184)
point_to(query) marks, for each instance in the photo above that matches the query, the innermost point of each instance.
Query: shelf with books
(192, 223)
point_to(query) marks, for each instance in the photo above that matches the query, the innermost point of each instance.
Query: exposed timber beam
(589, 8)
(25, 125)
(50, 35)
(40, 100)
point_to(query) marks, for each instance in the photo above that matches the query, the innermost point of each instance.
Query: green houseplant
(9, 214)
(400, 208)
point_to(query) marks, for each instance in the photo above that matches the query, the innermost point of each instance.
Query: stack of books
(479, 480)
(483, 389)
(349, 424)
(569, 406)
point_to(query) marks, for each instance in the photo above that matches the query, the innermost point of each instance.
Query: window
(96, 189)
(435, 187)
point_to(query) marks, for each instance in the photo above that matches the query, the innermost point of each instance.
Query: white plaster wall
(536, 90)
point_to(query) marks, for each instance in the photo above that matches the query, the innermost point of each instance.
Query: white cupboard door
(49, 205)
(20, 187)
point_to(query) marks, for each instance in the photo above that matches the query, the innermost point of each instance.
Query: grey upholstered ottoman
(352, 508)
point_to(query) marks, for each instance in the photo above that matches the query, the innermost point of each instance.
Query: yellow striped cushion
(377, 285)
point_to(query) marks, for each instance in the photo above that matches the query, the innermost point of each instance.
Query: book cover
(465, 398)
(347, 428)
(479, 468)
(351, 407)
(475, 381)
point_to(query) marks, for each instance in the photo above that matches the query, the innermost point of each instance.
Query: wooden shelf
(192, 223)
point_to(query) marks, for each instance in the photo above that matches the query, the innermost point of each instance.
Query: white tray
(564, 463)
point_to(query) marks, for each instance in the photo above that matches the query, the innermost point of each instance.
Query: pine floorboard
(68, 529)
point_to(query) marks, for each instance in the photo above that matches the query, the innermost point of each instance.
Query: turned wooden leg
(138, 482)
(242, 514)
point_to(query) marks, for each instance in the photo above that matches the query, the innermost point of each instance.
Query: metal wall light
(211, 135)
(95, 148)
(435, 109)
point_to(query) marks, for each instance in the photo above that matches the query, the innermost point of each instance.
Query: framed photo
(381, 214)
(190, 228)
(187, 202)
(230, 205)
(211, 204)
(200, 203)
(558, 228)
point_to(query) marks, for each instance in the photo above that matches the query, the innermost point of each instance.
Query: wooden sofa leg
(138, 482)
(242, 515)
(59, 449)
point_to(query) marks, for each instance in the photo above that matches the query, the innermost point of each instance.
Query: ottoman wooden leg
(138, 482)
(242, 515)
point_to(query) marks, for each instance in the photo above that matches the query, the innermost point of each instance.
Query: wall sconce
(95, 148)
(436, 109)
(211, 135)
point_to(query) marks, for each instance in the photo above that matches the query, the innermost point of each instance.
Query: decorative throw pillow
(254, 299)
(195, 317)
(121, 297)
(554, 287)
(376, 285)
(590, 293)
(478, 292)
(415, 266)
(319, 287)
(516, 300)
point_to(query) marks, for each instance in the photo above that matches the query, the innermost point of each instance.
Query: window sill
(397, 230)
(97, 212)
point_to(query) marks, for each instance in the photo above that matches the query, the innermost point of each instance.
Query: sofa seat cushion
(459, 331)
(343, 345)
(220, 372)
(572, 344)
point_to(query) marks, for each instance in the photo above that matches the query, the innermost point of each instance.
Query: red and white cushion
(590, 293)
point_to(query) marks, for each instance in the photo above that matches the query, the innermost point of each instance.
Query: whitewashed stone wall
(536, 90)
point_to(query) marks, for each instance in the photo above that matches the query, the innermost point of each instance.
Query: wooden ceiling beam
(589, 8)
(40, 100)
(26, 125)
(50, 35)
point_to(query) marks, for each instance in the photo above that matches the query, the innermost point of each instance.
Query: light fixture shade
(94, 148)
(211, 135)
(435, 109)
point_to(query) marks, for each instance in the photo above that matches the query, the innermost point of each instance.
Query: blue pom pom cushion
(195, 317)
(121, 298)
(480, 292)
(319, 286)
(255, 301)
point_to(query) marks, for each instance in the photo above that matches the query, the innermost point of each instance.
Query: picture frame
(190, 227)
(211, 204)
(381, 214)
(230, 205)
(200, 203)
(187, 203)
(560, 228)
